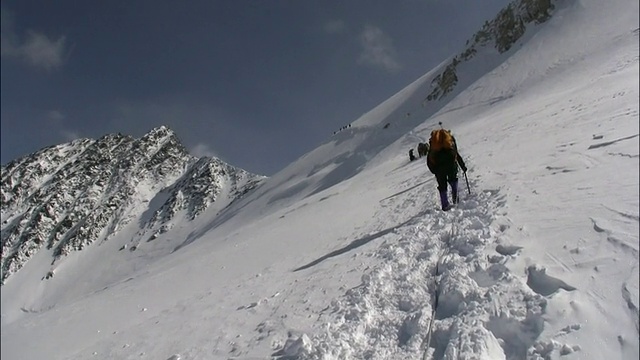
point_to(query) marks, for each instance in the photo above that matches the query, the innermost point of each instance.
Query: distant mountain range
(66, 197)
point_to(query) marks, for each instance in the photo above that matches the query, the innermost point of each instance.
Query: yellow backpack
(441, 139)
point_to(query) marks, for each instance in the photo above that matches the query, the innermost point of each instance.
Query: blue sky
(256, 83)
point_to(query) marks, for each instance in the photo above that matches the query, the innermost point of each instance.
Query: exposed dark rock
(66, 197)
(502, 32)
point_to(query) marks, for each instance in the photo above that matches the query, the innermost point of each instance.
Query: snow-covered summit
(66, 197)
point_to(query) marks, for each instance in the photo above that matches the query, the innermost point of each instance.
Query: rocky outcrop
(502, 33)
(65, 197)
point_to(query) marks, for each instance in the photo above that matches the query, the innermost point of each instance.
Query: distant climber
(411, 156)
(443, 160)
(422, 149)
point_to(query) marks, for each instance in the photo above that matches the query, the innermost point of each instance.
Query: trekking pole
(467, 180)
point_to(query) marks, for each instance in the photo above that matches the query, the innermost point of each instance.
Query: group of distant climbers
(443, 159)
(422, 151)
(342, 128)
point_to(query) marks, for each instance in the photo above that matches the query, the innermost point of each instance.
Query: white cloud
(334, 27)
(55, 115)
(56, 119)
(36, 49)
(70, 135)
(201, 150)
(40, 51)
(378, 50)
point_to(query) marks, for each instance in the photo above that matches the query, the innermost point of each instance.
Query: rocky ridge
(65, 197)
(502, 32)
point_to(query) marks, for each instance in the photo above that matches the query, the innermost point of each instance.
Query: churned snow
(345, 254)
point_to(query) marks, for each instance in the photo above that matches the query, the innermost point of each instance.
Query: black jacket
(445, 161)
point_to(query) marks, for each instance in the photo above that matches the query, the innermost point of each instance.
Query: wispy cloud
(36, 49)
(40, 51)
(378, 50)
(70, 135)
(55, 115)
(57, 120)
(202, 149)
(334, 27)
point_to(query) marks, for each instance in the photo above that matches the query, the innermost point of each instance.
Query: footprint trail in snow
(445, 264)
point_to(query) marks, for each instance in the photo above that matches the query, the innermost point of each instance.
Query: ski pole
(467, 180)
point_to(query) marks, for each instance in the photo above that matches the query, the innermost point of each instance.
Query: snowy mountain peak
(66, 197)
(160, 134)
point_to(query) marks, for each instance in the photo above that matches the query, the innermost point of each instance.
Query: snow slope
(345, 254)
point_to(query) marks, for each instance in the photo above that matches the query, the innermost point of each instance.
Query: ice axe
(467, 180)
